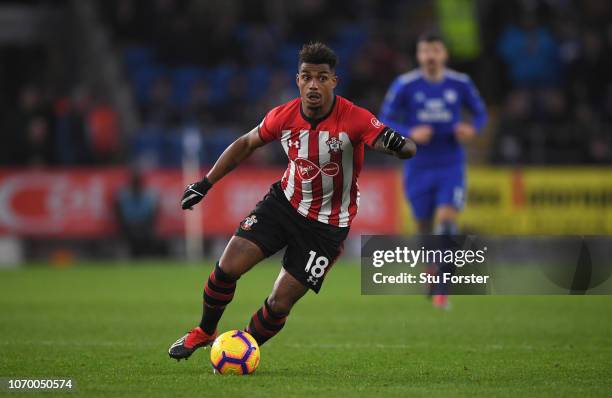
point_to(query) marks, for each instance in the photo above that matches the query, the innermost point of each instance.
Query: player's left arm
(471, 98)
(393, 143)
(379, 137)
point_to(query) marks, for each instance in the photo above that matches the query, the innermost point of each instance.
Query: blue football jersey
(412, 100)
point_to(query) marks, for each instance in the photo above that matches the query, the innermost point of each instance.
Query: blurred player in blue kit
(426, 104)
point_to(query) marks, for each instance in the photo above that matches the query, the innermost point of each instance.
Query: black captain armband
(392, 140)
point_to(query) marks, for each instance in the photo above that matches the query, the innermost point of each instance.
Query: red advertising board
(78, 203)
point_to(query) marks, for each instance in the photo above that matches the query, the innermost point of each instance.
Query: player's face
(316, 83)
(431, 55)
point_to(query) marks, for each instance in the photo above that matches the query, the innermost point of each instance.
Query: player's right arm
(394, 107)
(235, 154)
(267, 131)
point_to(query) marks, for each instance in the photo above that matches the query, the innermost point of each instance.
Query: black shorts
(312, 246)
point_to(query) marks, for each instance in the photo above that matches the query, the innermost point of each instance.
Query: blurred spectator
(219, 65)
(590, 71)
(531, 53)
(27, 130)
(72, 144)
(459, 23)
(136, 211)
(512, 136)
(104, 132)
(38, 135)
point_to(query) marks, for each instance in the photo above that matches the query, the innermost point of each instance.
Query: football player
(308, 212)
(426, 105)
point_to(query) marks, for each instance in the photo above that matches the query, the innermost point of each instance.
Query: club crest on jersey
(450, 96)
(335, 145)
(248, 222)
(308, 171)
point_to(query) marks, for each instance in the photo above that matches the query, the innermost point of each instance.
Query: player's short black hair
(318, 53)
(431, 37)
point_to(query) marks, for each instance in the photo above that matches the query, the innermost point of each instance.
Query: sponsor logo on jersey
(435, 111)
(294, 143)
(308, 171)
(248, 222)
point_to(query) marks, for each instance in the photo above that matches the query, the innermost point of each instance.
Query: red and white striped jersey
(325, 157)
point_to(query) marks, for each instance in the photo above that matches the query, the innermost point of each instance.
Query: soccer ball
(235, 352)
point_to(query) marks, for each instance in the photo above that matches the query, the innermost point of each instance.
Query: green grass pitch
(109, 327)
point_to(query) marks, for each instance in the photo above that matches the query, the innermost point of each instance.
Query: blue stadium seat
(259, 79)
(172, 153)
(350, 38)
(183, 80)
(219, 79)
(288, 57)
(136, 57)
(147, 145)
(214, 143)
(143, 79)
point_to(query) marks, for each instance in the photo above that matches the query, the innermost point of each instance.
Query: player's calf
(445, 229)
(270, 319)
(218, 293)
(266, 323)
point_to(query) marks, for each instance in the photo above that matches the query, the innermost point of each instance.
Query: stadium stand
(219, 72)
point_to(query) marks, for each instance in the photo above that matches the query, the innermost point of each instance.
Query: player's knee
(226, 271)
(280, 306)
(230, 268)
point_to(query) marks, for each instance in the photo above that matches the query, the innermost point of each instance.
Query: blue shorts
(428, 189)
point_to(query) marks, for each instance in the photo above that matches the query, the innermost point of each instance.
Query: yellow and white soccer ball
(235, 352)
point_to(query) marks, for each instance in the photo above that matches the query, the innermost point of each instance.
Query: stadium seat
(143, 79)
(220, 77)
(136, 57)
(213, 144)
(183, 80)
(349, 38)
(172, 151)
(147, 146)
(287, 57)
(259, 79)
